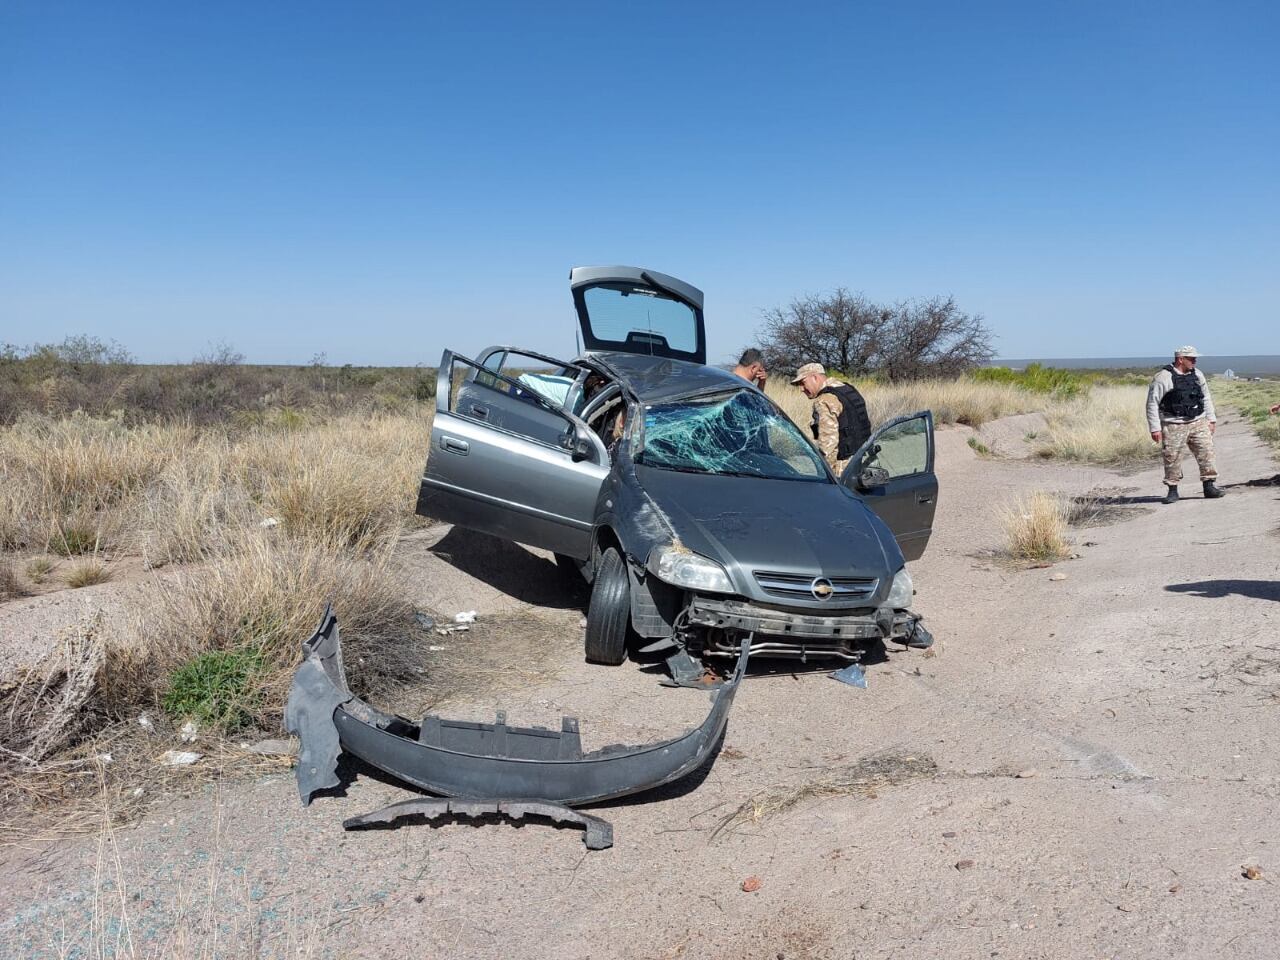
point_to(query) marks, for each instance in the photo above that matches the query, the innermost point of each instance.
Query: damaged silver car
(696, 509)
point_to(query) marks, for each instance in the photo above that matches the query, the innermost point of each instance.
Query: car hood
(749, 523)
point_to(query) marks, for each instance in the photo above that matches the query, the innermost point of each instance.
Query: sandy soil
(1085, 766)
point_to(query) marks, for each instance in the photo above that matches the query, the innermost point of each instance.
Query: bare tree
(933, 338)
(846, 332)
(841, 330)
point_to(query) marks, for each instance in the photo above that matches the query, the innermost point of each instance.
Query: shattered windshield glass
(737, 434)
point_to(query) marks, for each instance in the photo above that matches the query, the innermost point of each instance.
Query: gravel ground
(1087, 765)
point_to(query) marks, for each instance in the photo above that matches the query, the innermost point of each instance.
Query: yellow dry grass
(952, 401)
(87, 573)
(263, 594)
(1106, 425)
(172, 492)
(1035, 527)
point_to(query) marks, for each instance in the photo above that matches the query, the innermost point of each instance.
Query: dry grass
(952, 401)
(261, 597)
(1035, 527)
(340, 490)
(172, 492)
(39, 568)
(1106, 425)
(10, 585)
(87, 574)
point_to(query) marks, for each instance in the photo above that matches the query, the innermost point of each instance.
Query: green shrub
(1037, 378)
(220, 689)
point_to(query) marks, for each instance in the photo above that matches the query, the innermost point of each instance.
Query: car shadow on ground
(1271, 481)
(511, 569)
(1215, 589)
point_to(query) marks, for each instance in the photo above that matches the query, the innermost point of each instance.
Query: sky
(379, 181)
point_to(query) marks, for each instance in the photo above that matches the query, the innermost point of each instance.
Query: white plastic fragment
(189, 732)
(180, 758)
(269, 522)
(144, 721)
(467, 616)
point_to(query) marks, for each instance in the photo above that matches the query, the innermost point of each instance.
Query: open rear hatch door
(634, 310)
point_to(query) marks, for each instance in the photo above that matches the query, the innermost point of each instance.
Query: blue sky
(380, 180)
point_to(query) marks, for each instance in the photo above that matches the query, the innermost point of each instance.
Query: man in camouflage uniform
(840, 423)
(1180, 415)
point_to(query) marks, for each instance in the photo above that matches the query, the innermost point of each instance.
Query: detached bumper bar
(480, 761)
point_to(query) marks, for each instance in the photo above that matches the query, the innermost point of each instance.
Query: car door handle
(479, 411)
(454, 445)
(923, 498)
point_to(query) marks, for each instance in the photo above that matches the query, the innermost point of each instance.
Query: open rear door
(508, 460)
(893, 475)
(634, 310)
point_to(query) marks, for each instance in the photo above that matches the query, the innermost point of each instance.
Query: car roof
(658, 379)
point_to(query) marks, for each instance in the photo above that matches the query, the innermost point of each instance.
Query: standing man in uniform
(751, 367)
(840, 423)
(1180, 414)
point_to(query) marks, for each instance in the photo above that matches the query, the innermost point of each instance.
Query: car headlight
(681, 568)
(901, 592)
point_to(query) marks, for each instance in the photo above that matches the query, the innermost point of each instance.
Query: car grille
(794, 586)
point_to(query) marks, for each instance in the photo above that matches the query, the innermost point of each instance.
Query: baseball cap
(808, 370)
(1186, 352)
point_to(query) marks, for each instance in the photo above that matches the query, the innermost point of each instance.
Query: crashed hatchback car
(696, 509)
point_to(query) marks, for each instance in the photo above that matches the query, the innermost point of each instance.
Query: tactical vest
(1185, 399)
(855, 425)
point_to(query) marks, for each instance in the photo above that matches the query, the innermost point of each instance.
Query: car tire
(609, 612)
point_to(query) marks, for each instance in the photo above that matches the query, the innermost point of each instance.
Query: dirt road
(1081, 771)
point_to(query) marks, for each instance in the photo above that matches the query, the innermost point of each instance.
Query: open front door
(508, 460)
(634, 310)
(893, 474)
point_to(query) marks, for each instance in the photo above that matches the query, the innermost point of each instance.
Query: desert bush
(219, 689)
(1035, 527)
(87, 574)
(101, 380)
(39, 568)
(1107, 425)
(254, 603)
(1040, 379)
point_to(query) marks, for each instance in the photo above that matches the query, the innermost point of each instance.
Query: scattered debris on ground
(857, 779)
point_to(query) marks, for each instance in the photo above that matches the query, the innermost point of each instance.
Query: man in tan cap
(1180, 414)
(840, 423)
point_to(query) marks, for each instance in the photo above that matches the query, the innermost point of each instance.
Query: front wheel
(609, 612)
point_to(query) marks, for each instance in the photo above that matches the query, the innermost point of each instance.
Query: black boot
(1211, 492)
(1171, 495)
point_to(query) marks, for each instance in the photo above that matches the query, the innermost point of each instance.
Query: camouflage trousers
(1175, 438)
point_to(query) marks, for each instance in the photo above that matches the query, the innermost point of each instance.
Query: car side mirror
(873, 477)
(580, 448)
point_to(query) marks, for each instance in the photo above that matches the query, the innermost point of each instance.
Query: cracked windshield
(738, 434)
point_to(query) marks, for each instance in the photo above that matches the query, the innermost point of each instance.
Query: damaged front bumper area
(490, 762)
(786, 633)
